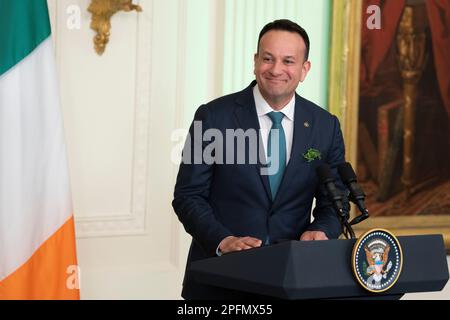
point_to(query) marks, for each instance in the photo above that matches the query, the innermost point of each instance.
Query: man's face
(280, 66)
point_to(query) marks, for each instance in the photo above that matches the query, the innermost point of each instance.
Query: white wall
(243, 21)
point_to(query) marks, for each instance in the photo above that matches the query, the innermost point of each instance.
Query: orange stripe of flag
(50, 273)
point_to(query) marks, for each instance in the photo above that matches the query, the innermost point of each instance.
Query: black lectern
(322, 269)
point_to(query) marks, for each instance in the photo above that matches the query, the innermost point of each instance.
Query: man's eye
(266, 59)
(289, 62)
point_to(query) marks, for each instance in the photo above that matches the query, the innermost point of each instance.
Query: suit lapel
(247, 118)
(303, 126)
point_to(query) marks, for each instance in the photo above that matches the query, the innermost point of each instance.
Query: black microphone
(334, 195)
(357, 195)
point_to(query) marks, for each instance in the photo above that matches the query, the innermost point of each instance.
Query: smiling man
(239, 206)
(281, 63)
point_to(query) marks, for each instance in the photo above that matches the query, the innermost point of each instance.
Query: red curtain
(439, 19)
(377, 42)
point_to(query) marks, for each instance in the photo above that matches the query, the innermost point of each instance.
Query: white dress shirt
(263, 108)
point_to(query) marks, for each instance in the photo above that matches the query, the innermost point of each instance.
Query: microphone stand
(363, 216)
(347, 229)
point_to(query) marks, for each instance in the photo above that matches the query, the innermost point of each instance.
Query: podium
(322, 270)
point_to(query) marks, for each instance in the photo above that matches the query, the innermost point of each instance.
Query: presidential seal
(377, 260)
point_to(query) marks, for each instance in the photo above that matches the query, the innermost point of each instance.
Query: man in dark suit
(238, 205)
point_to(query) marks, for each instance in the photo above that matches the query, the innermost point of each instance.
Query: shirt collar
(263, 108)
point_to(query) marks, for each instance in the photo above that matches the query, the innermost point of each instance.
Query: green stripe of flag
(24, 24)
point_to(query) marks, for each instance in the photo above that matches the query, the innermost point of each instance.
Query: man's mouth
(276, 80)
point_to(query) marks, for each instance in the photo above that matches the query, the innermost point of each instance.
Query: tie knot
(276, 117)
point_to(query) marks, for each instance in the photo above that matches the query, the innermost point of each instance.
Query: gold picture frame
(343, 102)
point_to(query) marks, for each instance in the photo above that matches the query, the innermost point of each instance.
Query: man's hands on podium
(313, 235)
(231, 243)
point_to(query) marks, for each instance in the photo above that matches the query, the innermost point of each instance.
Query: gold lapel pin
(306, 124)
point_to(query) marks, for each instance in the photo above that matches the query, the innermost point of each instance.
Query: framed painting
(388, 90)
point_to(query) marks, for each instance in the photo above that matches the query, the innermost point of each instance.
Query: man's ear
(305, 69)
(255, 57)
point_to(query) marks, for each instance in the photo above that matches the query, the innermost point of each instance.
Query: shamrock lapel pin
(312, 154)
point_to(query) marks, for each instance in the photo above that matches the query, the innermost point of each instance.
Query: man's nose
(277, 68)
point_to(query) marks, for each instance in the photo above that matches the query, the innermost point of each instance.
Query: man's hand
(230, 244)
(313, 235)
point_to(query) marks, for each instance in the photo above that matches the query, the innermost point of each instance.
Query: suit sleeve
(325, 217)
(192, 189)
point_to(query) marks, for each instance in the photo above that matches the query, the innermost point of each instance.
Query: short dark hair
(286, 25)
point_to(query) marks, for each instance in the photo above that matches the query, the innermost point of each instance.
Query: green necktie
(279, 147)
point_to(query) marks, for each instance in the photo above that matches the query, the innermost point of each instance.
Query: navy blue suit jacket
(214, 201)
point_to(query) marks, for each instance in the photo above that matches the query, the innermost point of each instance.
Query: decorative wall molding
(132, 222)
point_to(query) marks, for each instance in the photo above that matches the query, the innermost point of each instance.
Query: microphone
(334, 195)
(357, 195)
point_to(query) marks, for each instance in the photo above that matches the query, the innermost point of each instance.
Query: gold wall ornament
(102, 11)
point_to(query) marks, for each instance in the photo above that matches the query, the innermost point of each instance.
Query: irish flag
(37, 238)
